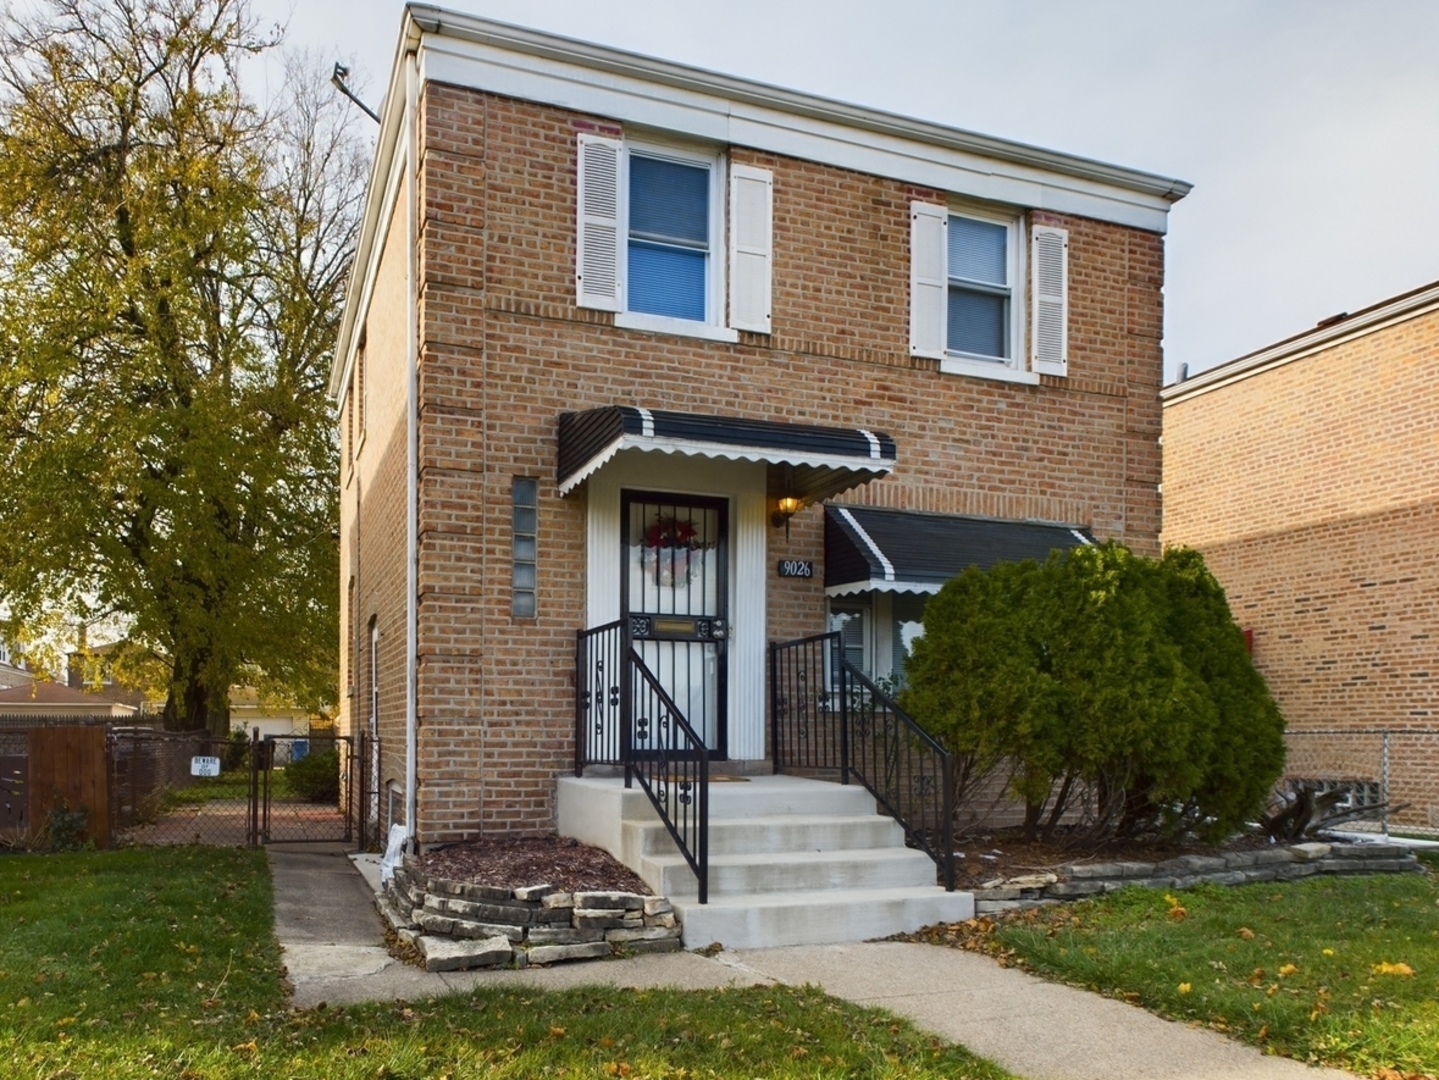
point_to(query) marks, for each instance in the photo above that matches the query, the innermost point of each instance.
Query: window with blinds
(669, 241)
(658, 243)
(979, 291)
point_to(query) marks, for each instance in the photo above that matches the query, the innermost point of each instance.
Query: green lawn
(160, 962)
(1343, 971)
(228, 785)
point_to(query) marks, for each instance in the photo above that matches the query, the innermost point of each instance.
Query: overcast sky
(1310, 128)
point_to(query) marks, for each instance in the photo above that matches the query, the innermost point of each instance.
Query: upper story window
(967, 307)
(978, 316)
(668, 260)
(653, 228)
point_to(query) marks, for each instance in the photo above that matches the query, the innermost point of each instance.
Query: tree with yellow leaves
(172, 261)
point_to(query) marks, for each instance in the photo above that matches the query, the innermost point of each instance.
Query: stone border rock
(456, 925)
(1078, 880)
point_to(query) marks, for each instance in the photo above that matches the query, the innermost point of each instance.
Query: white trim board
(897, 149)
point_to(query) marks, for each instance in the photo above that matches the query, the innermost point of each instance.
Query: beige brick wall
(504, 350)
(372, 514)
(1310, 488)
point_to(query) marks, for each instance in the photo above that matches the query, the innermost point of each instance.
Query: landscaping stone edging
(456, 925)
(1079, 880)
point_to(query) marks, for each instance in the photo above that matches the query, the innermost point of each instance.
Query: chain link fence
(179, 787)
(1389, 775)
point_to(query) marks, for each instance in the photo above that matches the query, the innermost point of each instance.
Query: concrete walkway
(332, 938)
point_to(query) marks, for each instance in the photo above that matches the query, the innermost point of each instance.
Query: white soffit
(628, 88)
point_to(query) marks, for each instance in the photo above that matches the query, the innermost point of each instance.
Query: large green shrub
(1103, 682)
(315, 777)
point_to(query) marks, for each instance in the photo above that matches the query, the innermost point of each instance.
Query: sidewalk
(333, 949)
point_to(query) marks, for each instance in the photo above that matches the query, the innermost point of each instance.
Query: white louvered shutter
(597, 237)
(751, 232)
(1049, 262)
(927, 283)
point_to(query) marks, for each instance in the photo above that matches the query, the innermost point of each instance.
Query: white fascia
(470, 51)
(379, 204)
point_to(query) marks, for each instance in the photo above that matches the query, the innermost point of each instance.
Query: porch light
(787, 506)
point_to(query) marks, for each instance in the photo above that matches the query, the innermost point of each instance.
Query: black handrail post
(704, 826)
(843, 715)
(774, 739)
(947, 831)
(627, 703)
(581, 672)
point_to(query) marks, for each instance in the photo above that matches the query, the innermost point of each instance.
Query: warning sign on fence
(204, 766)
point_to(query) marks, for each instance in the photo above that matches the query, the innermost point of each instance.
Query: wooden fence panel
(70, 763)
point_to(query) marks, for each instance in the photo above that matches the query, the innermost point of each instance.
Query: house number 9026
(796, 568)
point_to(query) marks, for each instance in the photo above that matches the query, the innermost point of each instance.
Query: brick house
(631, 343)
(1305, 473)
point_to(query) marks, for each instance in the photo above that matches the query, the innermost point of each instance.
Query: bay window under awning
(869, 549)
(805, 461)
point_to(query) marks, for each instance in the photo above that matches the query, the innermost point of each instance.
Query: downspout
(412, 448)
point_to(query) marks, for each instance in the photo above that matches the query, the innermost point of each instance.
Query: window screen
(979, 291)
(524, 499)
(668, 237)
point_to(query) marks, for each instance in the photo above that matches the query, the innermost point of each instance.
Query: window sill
(663, 324)
(986, 369)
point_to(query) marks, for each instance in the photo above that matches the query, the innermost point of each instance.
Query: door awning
(807, 461)
(869, 549)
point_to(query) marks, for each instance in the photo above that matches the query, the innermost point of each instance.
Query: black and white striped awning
(807, 461)
(867, 549)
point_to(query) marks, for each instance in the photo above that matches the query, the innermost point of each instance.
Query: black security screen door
(674, 586)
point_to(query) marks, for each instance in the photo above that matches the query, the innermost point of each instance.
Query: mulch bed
(514, 862)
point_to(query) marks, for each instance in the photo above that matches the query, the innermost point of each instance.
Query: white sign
(204, 766)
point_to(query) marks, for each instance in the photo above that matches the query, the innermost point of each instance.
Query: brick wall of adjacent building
(373, 516)
(1310, 488)
(504, 350)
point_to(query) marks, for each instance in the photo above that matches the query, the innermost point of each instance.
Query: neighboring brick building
(1306, 474)
(740, 295)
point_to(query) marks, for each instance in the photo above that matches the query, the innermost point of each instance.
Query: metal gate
(311, 789)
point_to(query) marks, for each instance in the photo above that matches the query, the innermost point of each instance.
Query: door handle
(717, 630)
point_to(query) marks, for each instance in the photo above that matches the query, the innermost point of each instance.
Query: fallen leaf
(1255, 977)
(1246, 933)
(1184, 988)
(1287, 969)
(1386, 968)
(1178, 913)
(1327, 952)
(557, 1032)
(245, 1048)
(606, 1041)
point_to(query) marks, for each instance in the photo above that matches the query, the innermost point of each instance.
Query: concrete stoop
(792, 861)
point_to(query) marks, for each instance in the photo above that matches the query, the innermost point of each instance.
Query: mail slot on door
(675, 628)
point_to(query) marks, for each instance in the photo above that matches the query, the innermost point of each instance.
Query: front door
(674, 591)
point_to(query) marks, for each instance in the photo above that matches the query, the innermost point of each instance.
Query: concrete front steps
(792, 861)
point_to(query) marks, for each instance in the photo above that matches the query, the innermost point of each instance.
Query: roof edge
(436, 20)
(1395, 309)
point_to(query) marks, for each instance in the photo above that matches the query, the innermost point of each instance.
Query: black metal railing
(807, 731)
(624, 716)
(598, 676)
(671, 762)
(827, 715)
